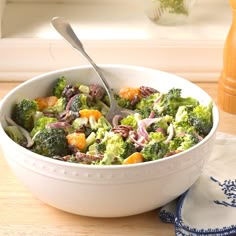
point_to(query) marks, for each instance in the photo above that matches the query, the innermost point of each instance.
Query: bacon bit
(86, 158)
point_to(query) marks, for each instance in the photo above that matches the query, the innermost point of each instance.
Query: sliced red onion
(142, 130)
(148, 121)
(171, 132)
(139, 142)
(161, 130)
(158, 99)
(70, 102)
(152, 114)
(143, 124)
(30, 142)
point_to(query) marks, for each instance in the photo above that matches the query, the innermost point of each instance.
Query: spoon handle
(65, 30)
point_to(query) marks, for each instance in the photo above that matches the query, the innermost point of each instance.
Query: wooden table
(22, 214)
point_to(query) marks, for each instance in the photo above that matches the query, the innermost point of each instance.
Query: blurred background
(112, 31)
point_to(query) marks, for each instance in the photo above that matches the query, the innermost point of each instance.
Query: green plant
(176, 6)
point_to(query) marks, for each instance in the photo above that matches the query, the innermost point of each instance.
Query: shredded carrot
(130, 93)
(77, 140)
(45, 102)
(87, 113)
(136, 157)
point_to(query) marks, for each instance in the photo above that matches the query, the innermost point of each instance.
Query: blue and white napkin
(209, 206)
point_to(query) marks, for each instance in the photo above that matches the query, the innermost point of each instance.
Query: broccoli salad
(70, 124)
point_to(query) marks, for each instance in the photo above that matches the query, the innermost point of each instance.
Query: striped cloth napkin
(209, 206)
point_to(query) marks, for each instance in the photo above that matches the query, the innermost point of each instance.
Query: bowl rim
(85, 166)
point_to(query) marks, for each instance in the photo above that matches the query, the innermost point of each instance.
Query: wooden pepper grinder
(227, 80)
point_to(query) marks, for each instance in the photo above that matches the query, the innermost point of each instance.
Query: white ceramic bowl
(106, 191)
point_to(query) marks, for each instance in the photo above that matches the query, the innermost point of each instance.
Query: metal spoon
(66, 31)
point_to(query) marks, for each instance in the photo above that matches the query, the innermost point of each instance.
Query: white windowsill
(30, 46)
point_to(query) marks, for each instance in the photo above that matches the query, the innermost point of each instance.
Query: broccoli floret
(24, 113)
(51, 142)
(201, 118)
(147, 102)
(174, 93)
(188, 141)
(58, 107)
(145, 106)
(175, 143)
(92, 150)
(101, 147)
(79, 102)
(171, 101)
(78, 123)
(15, 134)
(129, 149)
(115, 144)
(182, 114)
(183, 128)
(116, 149)
(182, 123)
(123, 102)
(101, 133)
(145, 112)
(156, 136)
(102, 123)
(184, 142)
(154, 151)
(41, 123)
(59, 86)
(131, 120)
(163, 123)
